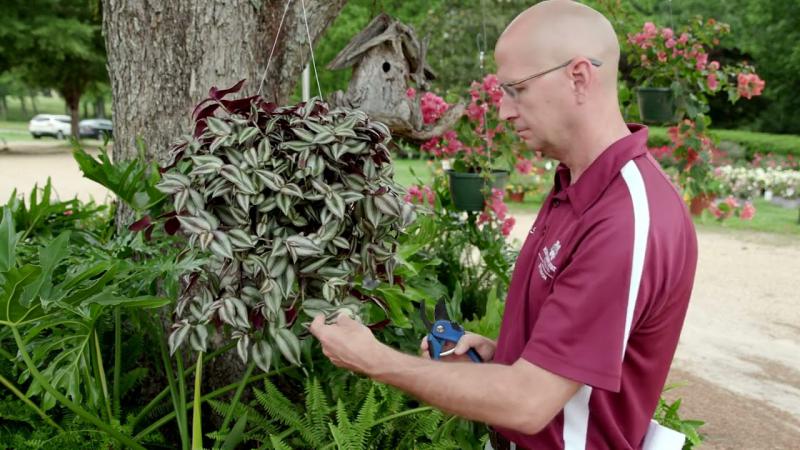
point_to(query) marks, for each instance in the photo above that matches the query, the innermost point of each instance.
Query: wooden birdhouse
(387, 59)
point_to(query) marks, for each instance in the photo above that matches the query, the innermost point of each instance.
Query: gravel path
(739, 356)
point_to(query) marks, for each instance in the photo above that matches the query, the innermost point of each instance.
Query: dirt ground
(738, 361)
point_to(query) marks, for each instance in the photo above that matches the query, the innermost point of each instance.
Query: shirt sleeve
(579, 331)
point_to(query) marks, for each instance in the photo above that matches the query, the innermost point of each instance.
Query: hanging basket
(466, 188)
(656, 105)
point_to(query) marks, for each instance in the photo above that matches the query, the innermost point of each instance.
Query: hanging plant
(676, 76)
(294, 208)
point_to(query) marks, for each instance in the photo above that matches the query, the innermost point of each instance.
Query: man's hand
(347, 343)
(483, 345)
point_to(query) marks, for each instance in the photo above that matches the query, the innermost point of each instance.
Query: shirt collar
(601, 171)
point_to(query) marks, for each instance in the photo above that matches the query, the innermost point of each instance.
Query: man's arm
(522, 397)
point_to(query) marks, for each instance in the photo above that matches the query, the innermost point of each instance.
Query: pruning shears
(443, 330)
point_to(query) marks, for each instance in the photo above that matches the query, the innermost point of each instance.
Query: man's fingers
(466, 342)
(317, 324)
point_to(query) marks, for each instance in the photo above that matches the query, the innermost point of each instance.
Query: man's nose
(508, 108)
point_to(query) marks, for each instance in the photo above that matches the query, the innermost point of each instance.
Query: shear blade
(440, 313)
(423, 314)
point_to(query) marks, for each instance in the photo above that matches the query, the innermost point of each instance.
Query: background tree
(54, 44)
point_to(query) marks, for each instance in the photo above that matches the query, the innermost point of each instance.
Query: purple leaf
(140, 224)
(218, 94)
(172, 226)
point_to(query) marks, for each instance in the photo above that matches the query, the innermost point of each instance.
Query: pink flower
(715, 211)
(483, 218)
(508, 225)
(684, 38)
(748, 211)
(431, 145)
(713, 65)
(432, 107)
(702, 60)
(750, 85)
(712, 81)
(475, 112)
(662, 57)
(670, 43)
(649, 29)
(68, 212)
(490, 83)
(428, 193)
(411, 92)
(667, 33)
(497, 206)
(730, 201)
(524, 166)
(414, 193)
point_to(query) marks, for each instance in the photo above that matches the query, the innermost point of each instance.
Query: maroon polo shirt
(599, 294)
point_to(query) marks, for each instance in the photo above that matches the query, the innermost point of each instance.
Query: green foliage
(133, 181)
(667, 415)
(357, 414)
(54, 44)
(43, 216)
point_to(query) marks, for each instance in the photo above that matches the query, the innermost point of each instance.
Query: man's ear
(581, 75)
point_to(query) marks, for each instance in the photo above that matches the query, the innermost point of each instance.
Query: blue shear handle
(474, 356)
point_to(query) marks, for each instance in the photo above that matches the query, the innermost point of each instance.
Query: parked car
(54, 125)
(96, 128)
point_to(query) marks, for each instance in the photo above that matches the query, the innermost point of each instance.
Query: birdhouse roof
(384, 29)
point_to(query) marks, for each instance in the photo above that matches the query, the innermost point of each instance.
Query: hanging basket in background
(656, 105)
(466, 189)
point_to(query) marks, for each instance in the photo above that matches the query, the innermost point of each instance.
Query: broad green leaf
(11, 311)
(8, 241)
(49, 257)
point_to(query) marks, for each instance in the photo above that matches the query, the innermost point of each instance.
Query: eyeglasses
(512, 92)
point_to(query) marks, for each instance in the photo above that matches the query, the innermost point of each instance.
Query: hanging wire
(311, 49)
(277, 35)
(481, 41)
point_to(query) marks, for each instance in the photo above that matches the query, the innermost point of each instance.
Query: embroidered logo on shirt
(546, 256)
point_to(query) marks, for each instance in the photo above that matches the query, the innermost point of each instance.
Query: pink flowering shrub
(497, 213)
(731, 207)
(420, 195)
(480, 141)
(662, 58)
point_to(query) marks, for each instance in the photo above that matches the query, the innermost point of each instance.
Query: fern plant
(358, 414)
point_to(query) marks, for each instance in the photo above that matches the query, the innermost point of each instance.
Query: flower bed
(751, 182)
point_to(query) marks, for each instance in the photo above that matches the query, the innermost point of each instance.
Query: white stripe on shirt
(576, 411)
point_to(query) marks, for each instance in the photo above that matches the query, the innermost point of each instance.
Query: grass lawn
(14, 131)
(44, 105)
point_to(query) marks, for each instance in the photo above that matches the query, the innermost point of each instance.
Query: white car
(54, 125)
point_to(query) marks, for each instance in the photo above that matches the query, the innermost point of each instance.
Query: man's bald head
(553, 31)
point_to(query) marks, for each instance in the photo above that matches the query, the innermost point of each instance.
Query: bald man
(602, 283)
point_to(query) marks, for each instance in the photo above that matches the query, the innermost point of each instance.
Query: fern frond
(362, 427)
(278, 443)
(282, 410)
(317, 410)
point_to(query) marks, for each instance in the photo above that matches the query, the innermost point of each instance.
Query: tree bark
(164, 55)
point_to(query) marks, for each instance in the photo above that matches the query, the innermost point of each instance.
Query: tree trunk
(3, 108)
(73, 101)
(33, 103)
(100, 107)
(164, 55)
(24, 107)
